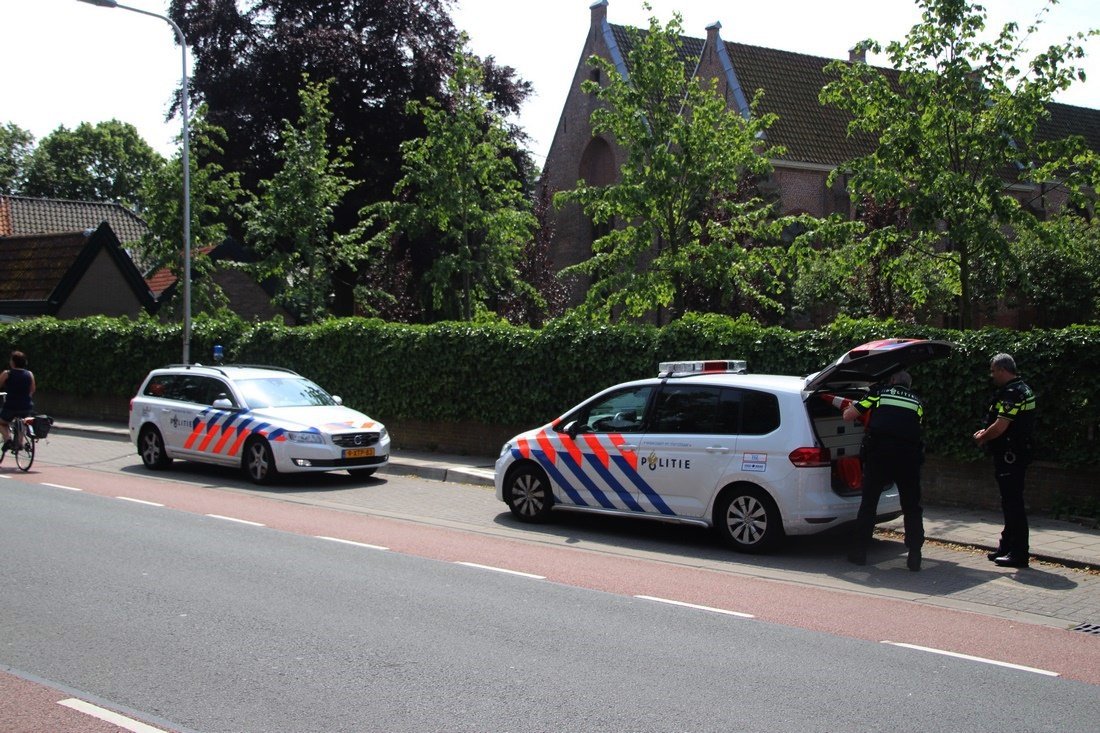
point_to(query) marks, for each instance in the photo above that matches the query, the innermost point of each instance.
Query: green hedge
(500, 374)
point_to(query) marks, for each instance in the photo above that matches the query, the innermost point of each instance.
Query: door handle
(717, 449)
(627, 446)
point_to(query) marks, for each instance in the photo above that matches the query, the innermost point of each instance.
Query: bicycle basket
(42, 425)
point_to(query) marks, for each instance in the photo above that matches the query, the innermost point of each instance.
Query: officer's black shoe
(858, 556)
(1011, 560)
(913, 561)
(991, 556)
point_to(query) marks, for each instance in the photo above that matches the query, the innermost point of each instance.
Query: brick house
(815, 137)
(25, 216)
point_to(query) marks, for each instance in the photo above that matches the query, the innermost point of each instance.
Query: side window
(164, 386)
(214, 389)
(760, 413)
(688, 408)
(622, 411)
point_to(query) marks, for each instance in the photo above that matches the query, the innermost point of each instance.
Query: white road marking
(349, 542)
(697, 607)
(234, 519)
(502, 570)
(139, 501)
(106, 715)
(59, 486)
(1048, 673)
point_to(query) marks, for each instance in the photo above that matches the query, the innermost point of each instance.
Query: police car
(265, 420)
(755, 456)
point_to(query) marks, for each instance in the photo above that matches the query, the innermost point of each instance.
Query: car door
(592, 456)
(213, 428)
(690, 442)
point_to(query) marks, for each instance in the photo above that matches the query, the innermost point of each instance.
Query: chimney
(712, 33)
(599, 13)
(857, 55)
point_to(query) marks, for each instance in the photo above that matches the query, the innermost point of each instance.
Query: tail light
(810, 457)
(132, 403)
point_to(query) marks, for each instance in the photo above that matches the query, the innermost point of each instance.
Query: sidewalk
(1053, 540)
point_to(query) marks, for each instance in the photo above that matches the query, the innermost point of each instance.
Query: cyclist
(18, 382)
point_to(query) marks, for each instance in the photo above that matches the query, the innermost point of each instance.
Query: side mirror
(223, 403)
(337, 399)
(570, 428)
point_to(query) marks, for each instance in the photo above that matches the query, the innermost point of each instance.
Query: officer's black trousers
(1009, 469)
(888, 461)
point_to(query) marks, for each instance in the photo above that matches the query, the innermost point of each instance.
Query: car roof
(229, 371)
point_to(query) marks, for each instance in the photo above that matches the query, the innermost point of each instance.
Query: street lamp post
(186, 162)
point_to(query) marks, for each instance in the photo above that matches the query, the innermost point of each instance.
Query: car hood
(875, 361)
(327, 419)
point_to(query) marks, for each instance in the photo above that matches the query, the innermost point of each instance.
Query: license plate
(359, 453)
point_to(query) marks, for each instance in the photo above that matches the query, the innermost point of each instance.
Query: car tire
(151, 449)
(258, 462)
(528, 494)
(362, 472)
(747, 519)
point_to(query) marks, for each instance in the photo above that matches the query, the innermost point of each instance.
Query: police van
(755, 456)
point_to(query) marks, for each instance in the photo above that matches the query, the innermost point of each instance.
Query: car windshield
(283, 392)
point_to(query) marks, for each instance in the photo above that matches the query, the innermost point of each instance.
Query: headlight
(506, 449)
(296, 437)
(383, 435)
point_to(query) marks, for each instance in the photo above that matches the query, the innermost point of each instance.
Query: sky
(63, 62)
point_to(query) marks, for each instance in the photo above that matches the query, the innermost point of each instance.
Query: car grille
(355, 440)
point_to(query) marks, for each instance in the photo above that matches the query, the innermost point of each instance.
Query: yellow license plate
(359, 453)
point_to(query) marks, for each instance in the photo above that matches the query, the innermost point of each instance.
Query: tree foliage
(956, 126)
(214, 197)
(16, 146)
(460, 192)
(687, 217)
(105, 161)
(292, 223)
(1059, 271)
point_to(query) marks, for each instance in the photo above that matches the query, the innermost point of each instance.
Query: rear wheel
(528, 494)
(747, 519)
(151, 449)
(259, 462)
(24, 456)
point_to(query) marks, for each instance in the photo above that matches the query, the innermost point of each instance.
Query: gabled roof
(23, 215)
(40, 271)
(811, 132)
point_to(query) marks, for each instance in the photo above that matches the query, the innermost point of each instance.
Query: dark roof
(40, 271)
(23, 215)
(812, 132)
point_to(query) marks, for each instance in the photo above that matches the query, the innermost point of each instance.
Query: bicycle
(24, 439)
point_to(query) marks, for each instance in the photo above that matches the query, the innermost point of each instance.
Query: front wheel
(24, 456)
(748, 520)
(259, 462)
(528, 494)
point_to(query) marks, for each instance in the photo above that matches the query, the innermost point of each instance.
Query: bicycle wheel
(24, 456)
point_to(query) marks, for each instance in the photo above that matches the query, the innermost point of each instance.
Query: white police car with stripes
(755, 456)
(265, 420)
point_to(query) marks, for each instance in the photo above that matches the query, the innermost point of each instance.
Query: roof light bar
(712, 366)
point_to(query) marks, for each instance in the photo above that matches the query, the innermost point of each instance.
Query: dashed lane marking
(696, 607)
(62, 486)
(138, 501)
(983, 660)
(108, 716)
(350, 542)
(238, 521)
(502, 570)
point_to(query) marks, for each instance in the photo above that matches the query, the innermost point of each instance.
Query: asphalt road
(151, 596)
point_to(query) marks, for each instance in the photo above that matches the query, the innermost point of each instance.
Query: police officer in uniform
(892, 452)
(1007, 436)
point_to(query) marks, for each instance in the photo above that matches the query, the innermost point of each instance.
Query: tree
(685, 203)
(106, 161)
(292, 222)
(460, 189)
(250, 55)
(959, 113)
(214, 196)
(16, 146)
(1060, 270)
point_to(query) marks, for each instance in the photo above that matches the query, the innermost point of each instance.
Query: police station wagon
(755, 456)
(265, 420)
